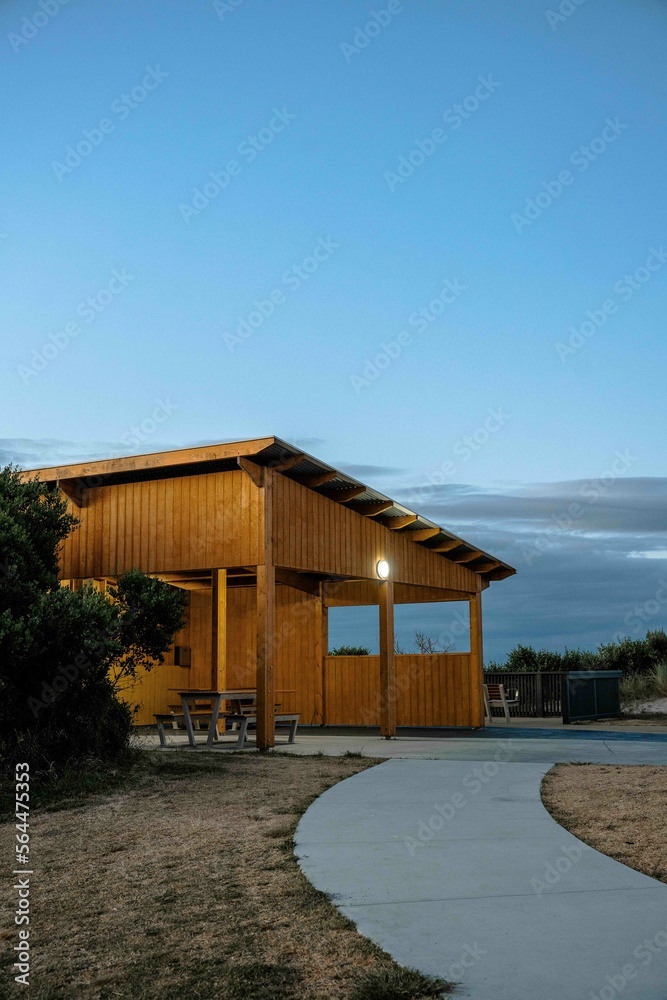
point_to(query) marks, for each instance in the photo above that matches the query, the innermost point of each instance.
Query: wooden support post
(321, 650)
(218, 629)
(476, 707)
(387, 662)
(266, 711)
(539, 695)
(266, 638)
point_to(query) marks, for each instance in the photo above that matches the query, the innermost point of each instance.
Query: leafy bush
(629, 655)
(62, 651)
(350, 651)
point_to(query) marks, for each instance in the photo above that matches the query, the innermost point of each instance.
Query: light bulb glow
(382, 569)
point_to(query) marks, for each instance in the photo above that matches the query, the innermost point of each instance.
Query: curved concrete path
(457, 869)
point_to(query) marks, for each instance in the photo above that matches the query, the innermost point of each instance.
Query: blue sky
(513, 277)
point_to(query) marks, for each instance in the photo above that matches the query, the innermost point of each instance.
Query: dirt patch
(618, 810)
(184, 884)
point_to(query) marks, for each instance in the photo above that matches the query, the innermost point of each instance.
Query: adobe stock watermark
(419, 321)
(121, 108)
(364, 34)
(581, 159)
(139, 433)
(292, 279)
(555, 870)
(590, 493)
(36, 22)
(463, 449)
(645, 953)
(470, 955)
(249, 149)
(225, 7)
(87, 310)
(563, 12)
(453, 117)
(473, 782)
(624, 289)
(642, 614)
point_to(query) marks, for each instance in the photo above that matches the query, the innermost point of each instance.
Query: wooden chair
(494, 695)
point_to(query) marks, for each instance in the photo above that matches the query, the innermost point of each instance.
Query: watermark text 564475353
(22, 871)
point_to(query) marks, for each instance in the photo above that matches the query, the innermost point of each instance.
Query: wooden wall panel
(319, 535)
(432, 690)
(355, 593)
(169, 524)
(296, 650)
(298, 674)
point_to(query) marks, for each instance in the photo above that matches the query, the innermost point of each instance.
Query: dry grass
(183, 884)
(618, 810)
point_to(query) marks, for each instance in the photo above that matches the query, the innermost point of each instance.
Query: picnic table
(236, 695)
(244, 712)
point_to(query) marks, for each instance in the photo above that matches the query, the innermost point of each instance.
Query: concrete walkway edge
(456, 868)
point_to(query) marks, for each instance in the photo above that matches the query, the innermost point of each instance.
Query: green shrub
(350, 651)
(58, 703)
(628, 655)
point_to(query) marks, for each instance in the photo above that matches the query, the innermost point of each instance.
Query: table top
(233, 693)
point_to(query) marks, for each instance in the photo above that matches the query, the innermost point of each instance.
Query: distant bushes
(645, 686)
(632, 656)
(350, 651)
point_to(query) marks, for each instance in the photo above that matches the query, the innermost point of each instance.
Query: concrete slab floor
(533, 746)
(456, 868)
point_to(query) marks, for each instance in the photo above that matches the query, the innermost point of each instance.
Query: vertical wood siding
(170, 524)
(298, 677)
(314, 533)
(432, 690)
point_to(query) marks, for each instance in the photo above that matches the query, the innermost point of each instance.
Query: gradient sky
(546, 422)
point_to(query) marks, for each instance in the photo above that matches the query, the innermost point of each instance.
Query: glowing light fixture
(382, 569)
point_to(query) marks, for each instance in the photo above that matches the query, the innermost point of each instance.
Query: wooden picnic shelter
(265, 539)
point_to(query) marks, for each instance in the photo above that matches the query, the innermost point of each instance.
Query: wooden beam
(306, 582)
(371, 509)
(342, 496)
(501, 573)
(256, 472)
(467, 557)
(399, 522)
(476, 662)
(156, 460)
(219, 629)
(423, 534)
(485, 567)
(266, 633)
(319, 479)
(355, 593)
(185, 579)
(285, 464)
(387, 662)
(321, 650)
(452, 543)
(71, 489)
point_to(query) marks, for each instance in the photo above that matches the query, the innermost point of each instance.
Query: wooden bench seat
(235, 719)
(243, 721)
(174, 718)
